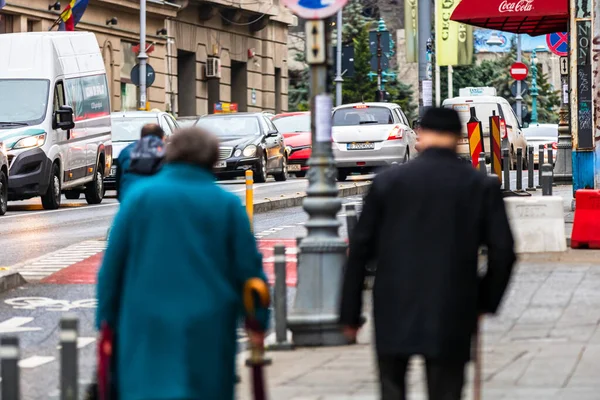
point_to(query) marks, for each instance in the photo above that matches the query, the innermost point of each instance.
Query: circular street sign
(519, 71)
(558, 43)
(135, 75)
(314, 9)
(524, 89)
(524, 109)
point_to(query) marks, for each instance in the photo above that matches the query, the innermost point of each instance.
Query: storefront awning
(534, 17)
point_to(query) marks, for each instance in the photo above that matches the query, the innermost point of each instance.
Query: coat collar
(189, 171)
(439, 152)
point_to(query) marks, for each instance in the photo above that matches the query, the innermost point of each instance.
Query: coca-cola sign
(514, 6)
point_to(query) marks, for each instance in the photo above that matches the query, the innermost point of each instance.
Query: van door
(75, 159)
(59, 136)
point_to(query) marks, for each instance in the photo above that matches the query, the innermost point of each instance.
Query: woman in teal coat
(171, 282)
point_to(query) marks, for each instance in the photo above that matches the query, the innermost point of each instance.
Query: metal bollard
(540, 163)
(506, 162)
(9, 367)
(519, 170)
(280, 301)
(250, 197)
(530, 174)
(482, 166)
(547, 180)
(69, 381)
(550, 156)
(351, 218)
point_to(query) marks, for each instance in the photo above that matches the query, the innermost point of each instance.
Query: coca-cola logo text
(516, 6)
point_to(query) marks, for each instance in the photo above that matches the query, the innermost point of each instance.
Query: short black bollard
(280, 301)
(351, 218)
(540, 163)
(9, 367)
(69, 381)
(519, 169)
(550, 155)
(547, 180)
(530, 166)
(482, 166)
(506, 163)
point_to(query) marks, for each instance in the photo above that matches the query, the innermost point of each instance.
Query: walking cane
(256, 291)
(477, 360)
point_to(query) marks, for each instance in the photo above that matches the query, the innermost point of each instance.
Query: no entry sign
(314, 9)
(558, 43)
(519, 71)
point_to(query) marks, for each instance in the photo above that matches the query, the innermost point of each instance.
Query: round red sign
(519, 71)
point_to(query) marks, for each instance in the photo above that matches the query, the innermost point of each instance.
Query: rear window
(483, 112)
(361, 115)
(541, 131)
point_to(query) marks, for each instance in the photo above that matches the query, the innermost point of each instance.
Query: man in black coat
(424, 222)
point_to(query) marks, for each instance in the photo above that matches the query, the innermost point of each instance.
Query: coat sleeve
(363, 246)
(501, 255)
(247, 260)
(110, 276)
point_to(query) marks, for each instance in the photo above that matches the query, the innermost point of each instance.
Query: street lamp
(534, 89)
(494, 40)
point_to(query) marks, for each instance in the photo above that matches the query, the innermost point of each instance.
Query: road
(27, 231)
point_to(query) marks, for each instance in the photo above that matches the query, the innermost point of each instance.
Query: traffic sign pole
(143, 57)
(519, 98)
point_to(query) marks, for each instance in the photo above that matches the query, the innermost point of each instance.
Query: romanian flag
(2, 3)
(72, 14)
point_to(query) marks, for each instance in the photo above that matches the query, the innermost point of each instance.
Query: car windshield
(23, 101)
(541, 131)
(129, 129)
(230, 126)
(361, 115)
(293, 123)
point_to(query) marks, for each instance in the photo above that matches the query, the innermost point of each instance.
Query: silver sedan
(367, 136)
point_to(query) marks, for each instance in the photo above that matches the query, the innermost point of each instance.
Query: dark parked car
(3, 180)
(248, 141)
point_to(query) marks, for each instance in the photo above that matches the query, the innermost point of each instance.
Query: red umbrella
(534, 17)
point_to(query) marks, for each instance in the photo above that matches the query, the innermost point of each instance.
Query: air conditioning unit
(213, 67)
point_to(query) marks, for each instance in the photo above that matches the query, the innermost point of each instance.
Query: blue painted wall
(583, 170)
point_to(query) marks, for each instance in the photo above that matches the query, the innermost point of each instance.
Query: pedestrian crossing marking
(35, 361)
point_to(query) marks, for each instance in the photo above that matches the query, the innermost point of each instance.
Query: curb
(297, 200)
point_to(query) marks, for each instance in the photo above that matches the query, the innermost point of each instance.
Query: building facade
(249, 39)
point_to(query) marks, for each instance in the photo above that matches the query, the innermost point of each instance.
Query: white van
(486, 102)
(54, 116)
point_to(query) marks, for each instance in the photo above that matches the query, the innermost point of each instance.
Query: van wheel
(3, 193)
(72, 194)
(51, 199)
(94, 191)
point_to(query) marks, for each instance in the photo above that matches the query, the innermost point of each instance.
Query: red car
(295, 128)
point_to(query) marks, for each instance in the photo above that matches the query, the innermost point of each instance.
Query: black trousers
(445, 380)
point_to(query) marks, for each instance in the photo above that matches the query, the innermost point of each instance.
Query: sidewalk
(545, 344)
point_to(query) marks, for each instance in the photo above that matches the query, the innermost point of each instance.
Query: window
(362, 114)
(6, 23)
(59, 95)
(270, 125)
(30, 25)
(88, 96)
(227, 125)
(171, 122)
(293, 123)
(129, 92)
(129, 129)
(27, 103)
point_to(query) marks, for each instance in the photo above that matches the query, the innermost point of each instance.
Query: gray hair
(193, 146)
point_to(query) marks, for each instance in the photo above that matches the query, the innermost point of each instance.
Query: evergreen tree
(299, 90)
(402, 94)
(360, 87)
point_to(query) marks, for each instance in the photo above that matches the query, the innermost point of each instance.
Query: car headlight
(31, 141)
(2, 147)
(237, 153)
(288, 149)
(249, 151)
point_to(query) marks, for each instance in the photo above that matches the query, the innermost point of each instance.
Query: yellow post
(250, 197)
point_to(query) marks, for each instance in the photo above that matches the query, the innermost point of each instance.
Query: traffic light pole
(379, 69)
(314, 315)
(425, 82)
(338, 76)
(143, 57)
(518, 98)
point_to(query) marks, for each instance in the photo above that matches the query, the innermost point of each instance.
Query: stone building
(249, 38)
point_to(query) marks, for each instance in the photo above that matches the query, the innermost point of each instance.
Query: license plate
(463, 141)
(361, 146)
(294, 167)
(221, 164)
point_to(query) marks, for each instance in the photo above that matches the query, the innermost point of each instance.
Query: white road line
(82, 342)
(29, 214)
(277, 229)
(35, 361)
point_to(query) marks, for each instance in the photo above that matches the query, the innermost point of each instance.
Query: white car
(368, 136)
(545, 135)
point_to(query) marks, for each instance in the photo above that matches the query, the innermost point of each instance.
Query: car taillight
(554, 146)
(503, 129)
(396, 133)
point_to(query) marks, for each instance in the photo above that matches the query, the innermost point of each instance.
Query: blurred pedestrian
(171, 282)
(424, 223)
(141, 158)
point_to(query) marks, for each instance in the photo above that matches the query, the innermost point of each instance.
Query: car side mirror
(272, 133)
(415, 124)
(63, 118)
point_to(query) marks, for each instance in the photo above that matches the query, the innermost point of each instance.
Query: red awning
(534, 17)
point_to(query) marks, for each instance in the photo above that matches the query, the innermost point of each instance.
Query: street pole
(425, 83)
(438, 85)
(379, 69)
(450, 82)
(338, 76)
(563, 167)
(143, 57)
(534, 89)
(519, 98)
(314, 315)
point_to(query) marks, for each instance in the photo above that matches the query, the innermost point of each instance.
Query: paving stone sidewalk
(545, 344)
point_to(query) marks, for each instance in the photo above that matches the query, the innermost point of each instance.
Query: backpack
(147, 156)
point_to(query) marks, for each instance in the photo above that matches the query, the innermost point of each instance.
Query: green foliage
(402, 94)
(360, 87)
(299, 90)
